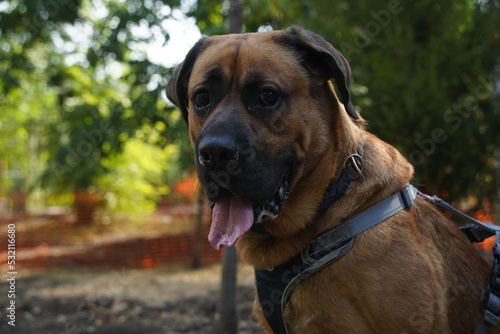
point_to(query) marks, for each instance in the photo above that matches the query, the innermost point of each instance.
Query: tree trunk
(228, 321)
(198, 229)
(235, 17)
(85, 204)
(18, 199)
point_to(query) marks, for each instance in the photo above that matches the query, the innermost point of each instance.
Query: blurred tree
(114, 91)
(212, 16)
(79, 74)
(423, 80)
(26, 101)
(136, 178)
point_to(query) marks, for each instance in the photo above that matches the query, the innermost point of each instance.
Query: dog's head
(258, 119)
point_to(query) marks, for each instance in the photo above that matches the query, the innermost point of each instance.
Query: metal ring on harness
(357, 164)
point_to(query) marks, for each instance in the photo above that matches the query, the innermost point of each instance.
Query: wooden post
(228, 321)
(198, 229)
(235, 17)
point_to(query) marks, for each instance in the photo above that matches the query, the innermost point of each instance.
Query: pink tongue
(231, 218)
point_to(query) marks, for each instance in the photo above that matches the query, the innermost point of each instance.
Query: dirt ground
(152, 301)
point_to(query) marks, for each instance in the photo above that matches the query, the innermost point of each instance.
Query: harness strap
(275, 285)
(478, 231)
(364, 220)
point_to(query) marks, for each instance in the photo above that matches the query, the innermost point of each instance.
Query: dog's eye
(268, 98)
(201, 100)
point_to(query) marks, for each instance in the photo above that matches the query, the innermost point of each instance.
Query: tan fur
(413, 273)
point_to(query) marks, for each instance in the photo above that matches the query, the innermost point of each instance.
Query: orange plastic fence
(50, 240)
(45, 241)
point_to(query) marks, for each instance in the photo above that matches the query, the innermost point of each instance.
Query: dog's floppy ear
(177, 85)
(322, 61)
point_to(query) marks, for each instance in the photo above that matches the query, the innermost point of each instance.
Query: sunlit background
(96, 168)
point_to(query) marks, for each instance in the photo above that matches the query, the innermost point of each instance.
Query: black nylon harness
(275, 285)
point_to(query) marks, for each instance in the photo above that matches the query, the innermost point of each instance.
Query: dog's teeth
(264, 213)
(272, 207)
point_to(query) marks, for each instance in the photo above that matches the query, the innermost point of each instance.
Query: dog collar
(275, 285)
(337, 188)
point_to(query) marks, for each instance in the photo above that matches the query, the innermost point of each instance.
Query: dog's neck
(298, 223)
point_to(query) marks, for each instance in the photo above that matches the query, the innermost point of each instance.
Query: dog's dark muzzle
(228, 163)
(228, 160)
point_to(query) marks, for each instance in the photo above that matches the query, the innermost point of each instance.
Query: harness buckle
(476, 233)
(408, 196)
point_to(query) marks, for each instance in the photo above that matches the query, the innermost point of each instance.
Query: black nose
(216, 151)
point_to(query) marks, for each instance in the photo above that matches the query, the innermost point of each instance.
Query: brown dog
(270, 135)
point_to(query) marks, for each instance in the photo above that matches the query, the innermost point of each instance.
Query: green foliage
(78, 81)
(211, 15)
(113, 92)
(26, 107)
(423, 78)
(135, 181)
